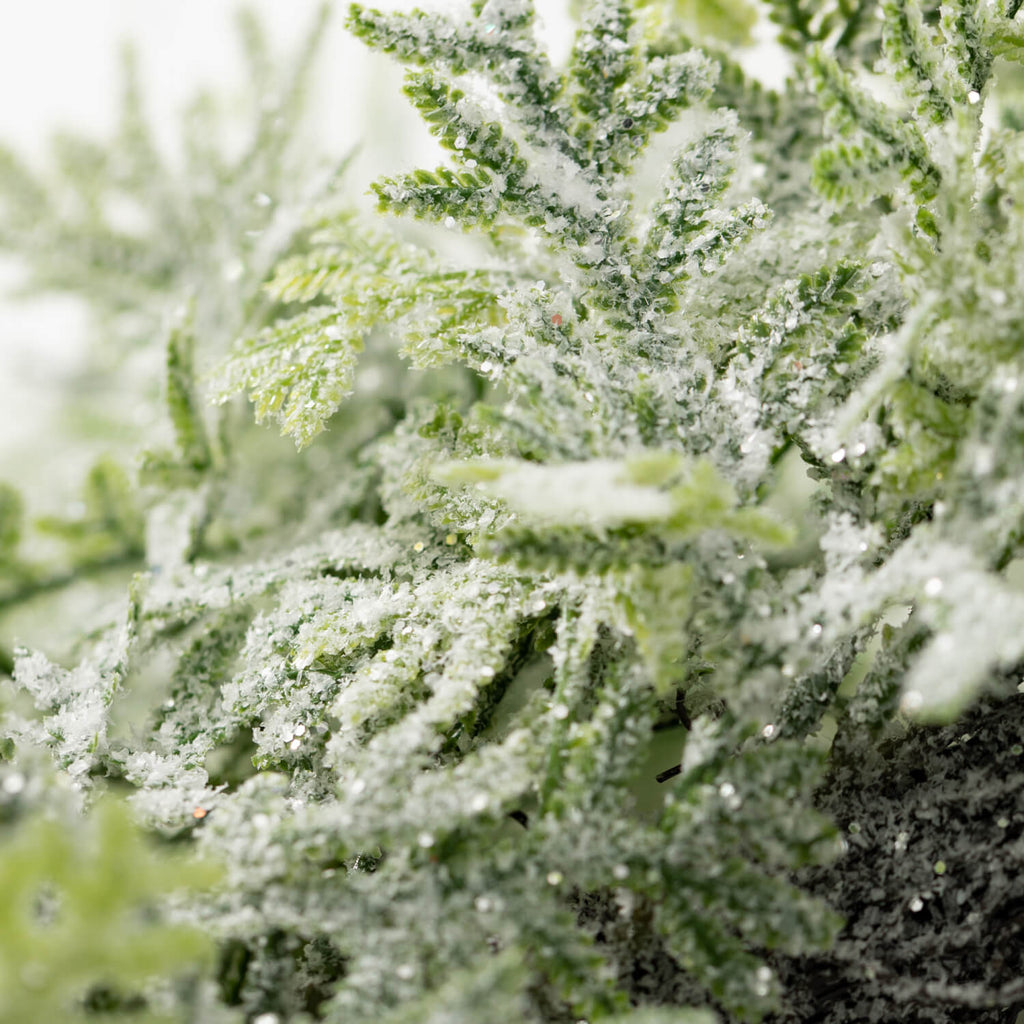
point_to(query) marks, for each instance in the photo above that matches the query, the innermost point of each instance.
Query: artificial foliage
(635, 634)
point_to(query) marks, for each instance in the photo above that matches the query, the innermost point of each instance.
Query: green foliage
(299, 370)
(80, 924)
(109, 524)
(125, 228)
(518, 683)
(804, 22)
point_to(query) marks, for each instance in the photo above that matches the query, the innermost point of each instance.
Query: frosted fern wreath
(705, 496)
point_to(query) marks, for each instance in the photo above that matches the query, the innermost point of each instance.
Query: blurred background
(61, 70)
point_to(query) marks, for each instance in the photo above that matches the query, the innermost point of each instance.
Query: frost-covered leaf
(653, 489)
(297, 371)
(515, 695)
(75, 703)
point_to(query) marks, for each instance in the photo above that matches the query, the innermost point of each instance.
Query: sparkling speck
(900, 843)
(295, 744)
(816, 629)
(425, 840)
(449, 222)
(838, 455)
(727, 789)
(358, 786)
(621, 872)
(560, 711)
(917, 904)
(933, 587)
(555, 878)
(768, 731)
(973, 97)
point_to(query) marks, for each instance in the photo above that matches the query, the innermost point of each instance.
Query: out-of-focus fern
(81, 929)
(131, 232)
